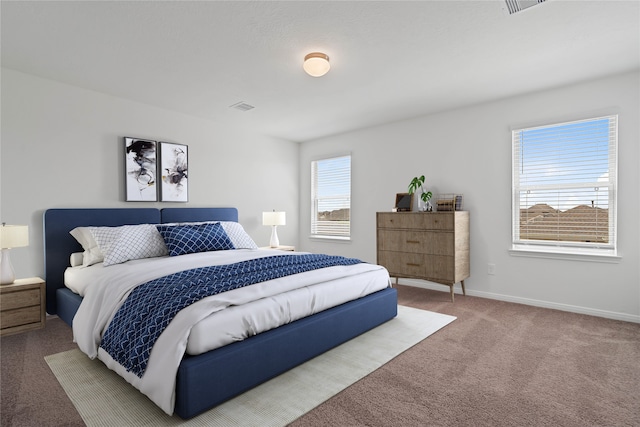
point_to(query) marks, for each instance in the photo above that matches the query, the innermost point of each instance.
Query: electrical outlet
(491, 269)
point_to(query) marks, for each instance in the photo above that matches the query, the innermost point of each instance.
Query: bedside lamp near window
(274, 219)
(11, 236)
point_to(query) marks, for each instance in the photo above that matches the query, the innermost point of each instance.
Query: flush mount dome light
(316, 64)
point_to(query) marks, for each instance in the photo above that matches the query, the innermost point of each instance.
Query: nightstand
(22, 306)
(281, 248)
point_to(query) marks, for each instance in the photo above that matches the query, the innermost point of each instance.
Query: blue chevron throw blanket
(150, 307)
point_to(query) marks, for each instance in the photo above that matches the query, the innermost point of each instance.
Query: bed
(200, 383)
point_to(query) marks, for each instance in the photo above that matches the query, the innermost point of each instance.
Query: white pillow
(127, 242)
(76, 259)
(92, 253)
(238, 236)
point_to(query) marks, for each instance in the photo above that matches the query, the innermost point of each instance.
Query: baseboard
(526, 301)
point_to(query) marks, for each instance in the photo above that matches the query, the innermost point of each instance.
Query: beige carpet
(104, 399)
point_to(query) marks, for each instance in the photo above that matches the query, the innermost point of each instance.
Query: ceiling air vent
(242, 106)
(514, 6)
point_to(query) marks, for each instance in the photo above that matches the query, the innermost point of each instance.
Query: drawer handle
(413, 241)
(410, 264)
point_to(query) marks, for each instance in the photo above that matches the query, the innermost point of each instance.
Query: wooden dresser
(22, 306)
(431, 246)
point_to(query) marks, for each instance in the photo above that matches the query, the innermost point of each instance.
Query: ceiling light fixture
(316, 64)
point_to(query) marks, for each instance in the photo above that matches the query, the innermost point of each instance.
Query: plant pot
(424, 206)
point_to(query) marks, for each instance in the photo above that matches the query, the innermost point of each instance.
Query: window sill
(325, 238)
(573, 255)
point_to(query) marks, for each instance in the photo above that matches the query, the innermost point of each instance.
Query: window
(564, 187)
(331, 198)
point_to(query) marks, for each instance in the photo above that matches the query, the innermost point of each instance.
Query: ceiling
(390, 60)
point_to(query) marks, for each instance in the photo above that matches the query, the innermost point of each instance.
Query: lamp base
(274, 242)
(7, 275)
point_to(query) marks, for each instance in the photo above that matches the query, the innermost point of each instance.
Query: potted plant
(425, 196)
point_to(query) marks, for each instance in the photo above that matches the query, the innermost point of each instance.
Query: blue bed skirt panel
(209, 379)
(68, 304)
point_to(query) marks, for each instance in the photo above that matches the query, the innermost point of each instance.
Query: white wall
(468, 151)
(62, 147)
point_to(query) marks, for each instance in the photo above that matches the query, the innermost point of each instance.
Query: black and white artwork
(174, 170)
(140, 169)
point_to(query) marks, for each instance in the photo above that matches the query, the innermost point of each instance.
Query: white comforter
(109, 287)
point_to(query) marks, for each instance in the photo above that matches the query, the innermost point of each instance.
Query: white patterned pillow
(92, 253)
(127, 242)
(238, 236)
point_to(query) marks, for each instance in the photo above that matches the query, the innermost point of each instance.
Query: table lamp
(274, 219)
(11, 236)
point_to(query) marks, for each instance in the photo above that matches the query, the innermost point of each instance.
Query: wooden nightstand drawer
(19, 317)
(19, 299)
(22, 306)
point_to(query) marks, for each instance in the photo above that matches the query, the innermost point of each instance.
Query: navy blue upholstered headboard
(59, 244)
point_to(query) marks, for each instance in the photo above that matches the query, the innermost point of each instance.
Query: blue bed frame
(201, 382)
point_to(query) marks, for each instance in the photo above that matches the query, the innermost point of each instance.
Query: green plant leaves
(418, 183)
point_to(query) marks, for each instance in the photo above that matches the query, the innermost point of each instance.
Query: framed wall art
(140, 170)
(174, 161)
(404, 202)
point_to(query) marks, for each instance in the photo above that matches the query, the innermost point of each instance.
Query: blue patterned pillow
(188, 239)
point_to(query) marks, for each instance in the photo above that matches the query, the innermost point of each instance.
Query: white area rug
(104, 399)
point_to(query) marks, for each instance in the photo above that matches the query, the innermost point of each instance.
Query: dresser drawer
(402, 263)
(418, 242)
(19, 299)
(430, 267)
(20, 316)
(403, 241)
(437, 221)
(440, 268)
(416, 220)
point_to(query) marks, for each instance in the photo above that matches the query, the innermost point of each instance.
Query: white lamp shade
(274, 218)
(316, 64)
(14, 236)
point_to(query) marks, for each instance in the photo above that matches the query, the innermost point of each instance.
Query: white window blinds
(564, 185)
(331, 197)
